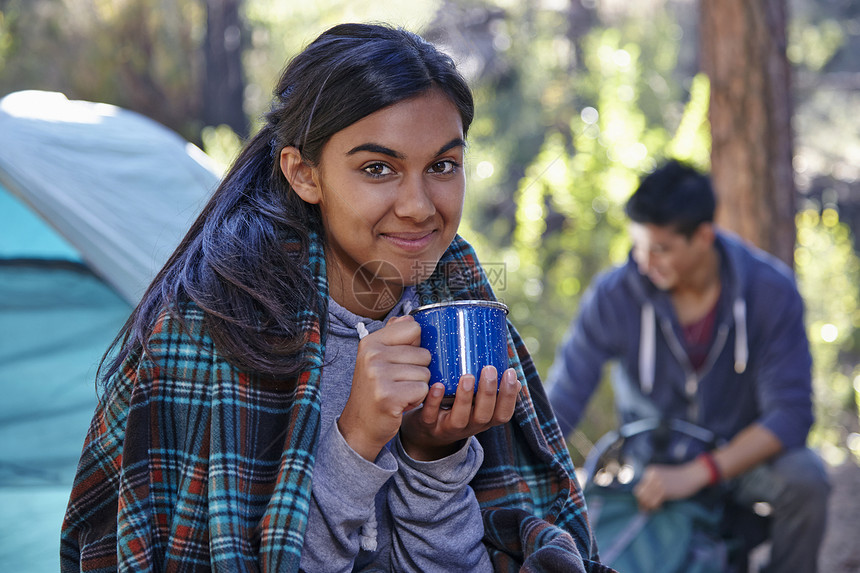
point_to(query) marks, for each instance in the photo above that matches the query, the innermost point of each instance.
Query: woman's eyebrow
(377, 148)
(456, 142)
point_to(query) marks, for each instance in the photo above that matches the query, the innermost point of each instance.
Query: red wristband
(715, 476)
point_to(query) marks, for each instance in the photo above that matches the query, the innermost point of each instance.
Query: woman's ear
(302, 177)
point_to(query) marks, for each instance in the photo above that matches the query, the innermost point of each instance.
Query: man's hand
(431, 433)
(661, 483)
(753, 445)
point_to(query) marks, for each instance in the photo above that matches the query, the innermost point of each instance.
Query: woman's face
(390, 188)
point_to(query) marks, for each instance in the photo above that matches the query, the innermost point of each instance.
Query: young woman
(267, 406)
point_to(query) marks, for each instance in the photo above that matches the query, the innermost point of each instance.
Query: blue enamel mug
(463, 336)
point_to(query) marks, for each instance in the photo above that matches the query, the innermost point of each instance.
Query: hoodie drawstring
(367, 535)
(361, 328)
(648, 349)
(739, 309)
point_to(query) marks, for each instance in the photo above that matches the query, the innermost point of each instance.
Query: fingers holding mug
(506, 401)
(486, 394)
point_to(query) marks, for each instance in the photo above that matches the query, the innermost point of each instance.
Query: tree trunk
(224, 83)
(743, 50)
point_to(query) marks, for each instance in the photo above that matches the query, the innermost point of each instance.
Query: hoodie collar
(346, 324)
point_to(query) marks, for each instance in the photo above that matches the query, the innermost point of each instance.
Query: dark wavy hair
(674, 195)
(233, 262)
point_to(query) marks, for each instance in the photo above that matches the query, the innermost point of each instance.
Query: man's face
(669, 258)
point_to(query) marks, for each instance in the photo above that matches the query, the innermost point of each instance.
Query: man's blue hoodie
(758, 368)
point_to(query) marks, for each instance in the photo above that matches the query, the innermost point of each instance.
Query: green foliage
(6, 37)
(692, 141)
(828, 272)
(221, 144)
(813, 45)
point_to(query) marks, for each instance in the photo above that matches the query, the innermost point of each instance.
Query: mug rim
(448, 303)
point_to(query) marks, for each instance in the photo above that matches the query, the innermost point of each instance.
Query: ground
(841, 550)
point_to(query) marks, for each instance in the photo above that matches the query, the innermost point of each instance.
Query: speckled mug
(463, 336)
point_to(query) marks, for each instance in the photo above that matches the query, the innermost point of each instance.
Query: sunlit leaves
(828, 274)
(221, 144)
(692, 141)
(6, 39)
(813, 46)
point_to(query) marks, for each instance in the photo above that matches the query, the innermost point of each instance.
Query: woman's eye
(377, 169)
(444, 167)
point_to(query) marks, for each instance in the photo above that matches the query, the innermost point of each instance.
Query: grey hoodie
(396, 514)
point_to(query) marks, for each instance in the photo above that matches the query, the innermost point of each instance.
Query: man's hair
(675, 195)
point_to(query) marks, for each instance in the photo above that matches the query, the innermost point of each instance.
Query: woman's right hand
(391, 377)
(432, 433)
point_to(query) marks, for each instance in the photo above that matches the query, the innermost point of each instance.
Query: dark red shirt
(698, 337)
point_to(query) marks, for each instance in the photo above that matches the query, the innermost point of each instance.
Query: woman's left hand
(431, 433)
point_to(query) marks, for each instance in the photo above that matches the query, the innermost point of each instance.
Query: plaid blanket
(191, 464)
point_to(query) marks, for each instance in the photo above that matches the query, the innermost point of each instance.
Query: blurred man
(705, 329)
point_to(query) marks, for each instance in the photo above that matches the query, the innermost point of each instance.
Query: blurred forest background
(576, 99)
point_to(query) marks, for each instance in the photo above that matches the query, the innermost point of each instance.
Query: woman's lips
(413, 241)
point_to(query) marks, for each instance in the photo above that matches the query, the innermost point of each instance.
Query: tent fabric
(119, 187)
(24, 235)
(93, 199)
(56, 320)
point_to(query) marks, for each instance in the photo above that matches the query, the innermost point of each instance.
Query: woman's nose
(414, 200)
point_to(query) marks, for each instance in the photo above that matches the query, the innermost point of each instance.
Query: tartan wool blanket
(191, 464)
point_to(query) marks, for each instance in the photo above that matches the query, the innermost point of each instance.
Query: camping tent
(93, 199)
